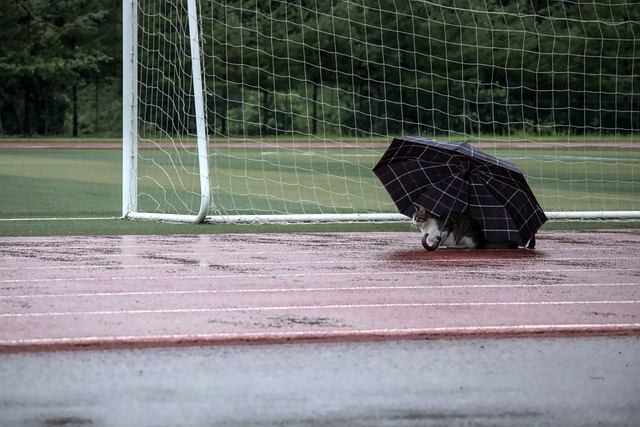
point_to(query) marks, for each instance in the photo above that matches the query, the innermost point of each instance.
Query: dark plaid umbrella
(446, 177)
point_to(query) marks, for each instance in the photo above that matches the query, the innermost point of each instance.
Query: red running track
(64, 293)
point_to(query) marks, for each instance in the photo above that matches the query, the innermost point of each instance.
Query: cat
(460, 231)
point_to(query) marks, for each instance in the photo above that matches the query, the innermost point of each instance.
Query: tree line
(331, 66)
(59, 66)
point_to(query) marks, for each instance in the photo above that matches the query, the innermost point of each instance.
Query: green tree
(47, 49)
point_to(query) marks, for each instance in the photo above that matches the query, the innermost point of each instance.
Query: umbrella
(448, 177)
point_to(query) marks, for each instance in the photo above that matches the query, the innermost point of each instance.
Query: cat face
(420, 216)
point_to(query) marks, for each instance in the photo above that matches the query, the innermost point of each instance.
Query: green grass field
(73, 183)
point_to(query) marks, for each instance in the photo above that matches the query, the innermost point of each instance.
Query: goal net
(252, 110)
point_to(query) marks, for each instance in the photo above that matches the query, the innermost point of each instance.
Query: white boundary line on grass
(392, 217)
(59, 219)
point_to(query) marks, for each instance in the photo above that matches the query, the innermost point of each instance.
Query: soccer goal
(278, 110)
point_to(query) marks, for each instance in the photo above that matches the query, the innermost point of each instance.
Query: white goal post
(130, 120)
(252, 111)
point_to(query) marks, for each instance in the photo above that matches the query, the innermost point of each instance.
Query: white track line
(309, 274)
(313, 307)
(212, 263)
(316, 289)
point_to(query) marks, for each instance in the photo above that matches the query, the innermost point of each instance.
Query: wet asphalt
(491, 382)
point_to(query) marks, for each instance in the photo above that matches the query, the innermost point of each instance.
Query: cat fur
(460, 231)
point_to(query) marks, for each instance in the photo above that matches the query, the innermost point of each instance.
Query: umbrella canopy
(449, 177)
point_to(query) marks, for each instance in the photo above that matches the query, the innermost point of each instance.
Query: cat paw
(532, 242)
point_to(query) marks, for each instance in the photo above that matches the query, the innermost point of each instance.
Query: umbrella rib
(444, 224)
(448, 178)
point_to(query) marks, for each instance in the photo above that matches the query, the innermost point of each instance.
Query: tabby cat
(460, 231)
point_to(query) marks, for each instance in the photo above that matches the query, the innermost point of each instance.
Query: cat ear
(420, 208)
